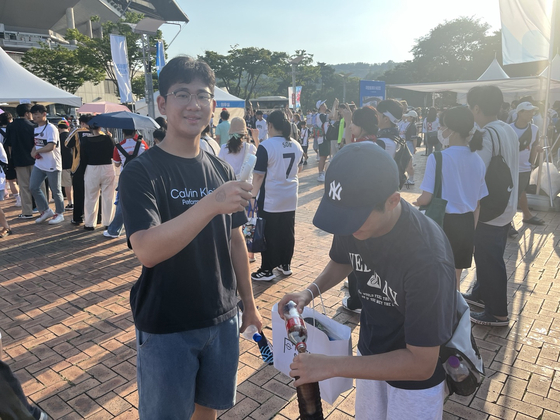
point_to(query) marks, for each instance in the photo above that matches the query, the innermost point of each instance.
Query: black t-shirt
(197, 287)
(65, 151)
(97, 150)
(407, 286)
(20, 136)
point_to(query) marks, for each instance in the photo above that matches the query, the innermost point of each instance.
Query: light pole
(295, 61)
(344, 78)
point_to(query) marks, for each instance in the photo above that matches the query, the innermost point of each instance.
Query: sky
(348, 31)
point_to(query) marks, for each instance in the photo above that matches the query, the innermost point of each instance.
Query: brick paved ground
(68, 332)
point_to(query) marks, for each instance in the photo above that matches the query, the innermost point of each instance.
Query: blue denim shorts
(175, 371)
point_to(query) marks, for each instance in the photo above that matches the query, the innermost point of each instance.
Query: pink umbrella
(101, 108)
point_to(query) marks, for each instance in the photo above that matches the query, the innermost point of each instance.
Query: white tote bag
(318, 342)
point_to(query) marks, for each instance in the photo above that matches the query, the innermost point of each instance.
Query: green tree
(63, 67)
(98, 50)
(242, 68)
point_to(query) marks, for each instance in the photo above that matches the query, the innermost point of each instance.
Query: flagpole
(544, 136)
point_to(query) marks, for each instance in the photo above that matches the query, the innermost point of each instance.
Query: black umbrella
(124, 120)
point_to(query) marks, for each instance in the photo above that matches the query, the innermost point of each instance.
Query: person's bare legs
(458, 272)
(524, 206)
(322, 160)
(68, 191)
(204, 413)
(13, 186)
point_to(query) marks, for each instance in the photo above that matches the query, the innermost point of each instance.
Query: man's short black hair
(392, 106)
(159, 134)
(224, 115)
(185, 69)
(259, 113)
(488, 98)
(128, 132)
(38, 108)
(23, 109)
(85, 118)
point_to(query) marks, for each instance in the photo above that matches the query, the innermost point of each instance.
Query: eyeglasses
(184, 97)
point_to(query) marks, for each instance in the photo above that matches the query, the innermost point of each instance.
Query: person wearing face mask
(463, 184)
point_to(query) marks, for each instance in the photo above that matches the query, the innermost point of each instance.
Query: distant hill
(364, 70)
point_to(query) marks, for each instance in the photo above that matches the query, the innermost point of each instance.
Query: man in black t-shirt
(406, 282)
(182, 211)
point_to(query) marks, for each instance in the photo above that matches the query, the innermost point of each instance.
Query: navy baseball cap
(360, 176)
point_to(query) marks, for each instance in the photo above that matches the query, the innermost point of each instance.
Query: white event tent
(234, 105)
(18, 84)
(494, 75)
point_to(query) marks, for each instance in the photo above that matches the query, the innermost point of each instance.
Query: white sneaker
(409, 182)
(321, 177)
(108, 235)
(18, 201)
(47, 214)
(285, 269)
(58, 218)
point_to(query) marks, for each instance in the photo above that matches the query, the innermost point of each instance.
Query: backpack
(499, 182)
(402, 158)
(127, 157)
(463, 346)
(332, 132)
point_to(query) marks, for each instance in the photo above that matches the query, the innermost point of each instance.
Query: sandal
(534, 221)
(5, 232)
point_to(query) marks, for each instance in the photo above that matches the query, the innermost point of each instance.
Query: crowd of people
(182, 208)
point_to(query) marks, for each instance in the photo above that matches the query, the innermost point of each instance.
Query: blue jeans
(175, 371)
(37, 178)
(491, 276)
(116, 225)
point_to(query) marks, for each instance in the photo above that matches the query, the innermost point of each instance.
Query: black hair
(392, 106)
(206, 130)
(235, 143)
(366, 119)
(128, 132)
(22, 109)
(432, 114)
(38, 108)
(488, 98)
(280, 123)
(461, 120)
(162, 122)
(259, 112)
(5, 118)
(85, 118)
(185, 69)
(159, 134)
(224, 115)
(303, 122)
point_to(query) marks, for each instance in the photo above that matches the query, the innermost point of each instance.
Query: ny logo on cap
(335, 191)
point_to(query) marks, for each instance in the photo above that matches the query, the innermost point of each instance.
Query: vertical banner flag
(160, 57)
(526, 30)
(297, 97)
(371, 92)
(120, 61)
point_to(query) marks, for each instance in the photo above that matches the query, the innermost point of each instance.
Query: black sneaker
(350, 307)
(26, 216)
(89, 228)
(75, 222)
(262, 275)
(482, 318)
(473, 301)
(285, 269)
(69, 207)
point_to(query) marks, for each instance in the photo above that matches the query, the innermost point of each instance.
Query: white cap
(319, 103)
(412, 113)
(526, 106)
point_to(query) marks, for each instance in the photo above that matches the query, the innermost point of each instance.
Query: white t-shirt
(390, 146)
(263, 129)
(304, 136)
(236, 159)
(4, 159)
(279, 159)
(403, 125)
(429, 127)
(524, 164)
(50, 161)
(462, 179)
(510, 151)
(208, 144)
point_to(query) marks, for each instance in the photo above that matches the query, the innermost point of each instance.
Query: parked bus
(267, 104)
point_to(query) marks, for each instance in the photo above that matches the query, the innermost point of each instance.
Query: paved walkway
(68, 333)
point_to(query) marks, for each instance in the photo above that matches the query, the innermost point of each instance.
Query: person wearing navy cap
(406, 282)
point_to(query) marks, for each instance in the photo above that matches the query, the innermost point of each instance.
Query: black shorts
(325, 148)
(459, 229)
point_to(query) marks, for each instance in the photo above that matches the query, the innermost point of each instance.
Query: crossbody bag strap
(492, 139)
(437, 187)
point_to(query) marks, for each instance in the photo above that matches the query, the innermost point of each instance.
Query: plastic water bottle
(308, 395)
(266, 349)
(251, 333)
(456, 369)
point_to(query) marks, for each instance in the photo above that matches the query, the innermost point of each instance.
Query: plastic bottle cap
(257, 337)
(454, 362)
